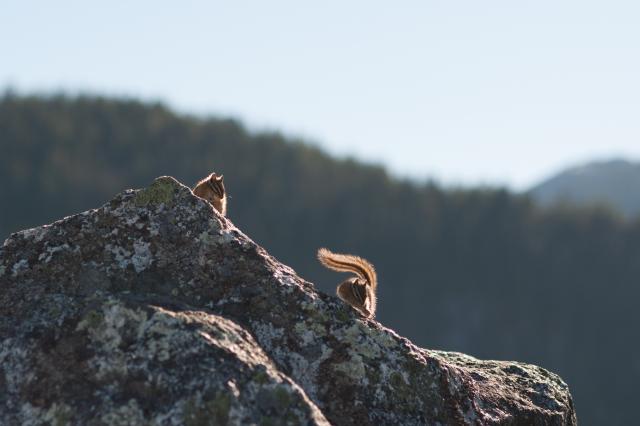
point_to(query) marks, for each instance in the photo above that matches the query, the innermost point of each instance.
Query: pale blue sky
(468, 92)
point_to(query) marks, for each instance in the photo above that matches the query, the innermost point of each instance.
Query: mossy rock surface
(154, 309)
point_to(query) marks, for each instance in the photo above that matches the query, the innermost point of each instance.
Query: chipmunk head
(216, 184)
(212, 189)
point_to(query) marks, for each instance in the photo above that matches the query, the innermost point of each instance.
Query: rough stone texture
(153, 309)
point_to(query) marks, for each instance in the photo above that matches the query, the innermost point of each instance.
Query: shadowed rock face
(155, 309)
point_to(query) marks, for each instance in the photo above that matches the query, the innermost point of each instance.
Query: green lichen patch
(129, 414)
(212, 412)
(91, 320)
(358, 337)
(354, 368)
(206, 238)
(261, 377)
(162, 190)
(308, 332)
(59, 414)
(219, 408)
(110, 325)
(342, 316)
(283, 397)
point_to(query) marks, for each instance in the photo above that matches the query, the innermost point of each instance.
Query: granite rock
(154, 309)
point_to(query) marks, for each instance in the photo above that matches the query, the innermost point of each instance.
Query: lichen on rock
(161, 191)
(154, 309)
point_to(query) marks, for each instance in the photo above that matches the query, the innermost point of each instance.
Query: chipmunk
(360, 291)
(211, 188)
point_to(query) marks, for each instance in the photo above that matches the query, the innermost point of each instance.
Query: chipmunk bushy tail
(349, 263)
(359, 292)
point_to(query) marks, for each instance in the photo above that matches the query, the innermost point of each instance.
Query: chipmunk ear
(220, 178)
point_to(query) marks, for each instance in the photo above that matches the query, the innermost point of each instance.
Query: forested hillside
(480, 271)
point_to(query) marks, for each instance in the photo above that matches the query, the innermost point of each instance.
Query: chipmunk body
(359, 291)
(211, 188)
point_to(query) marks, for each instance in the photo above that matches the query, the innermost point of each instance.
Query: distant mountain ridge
(613, 183)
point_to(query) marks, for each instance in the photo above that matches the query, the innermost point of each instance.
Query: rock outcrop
(153, 309)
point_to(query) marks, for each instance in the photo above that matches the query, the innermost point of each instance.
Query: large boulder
(154, 309)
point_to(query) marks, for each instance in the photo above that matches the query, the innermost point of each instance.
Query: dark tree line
(482, 271)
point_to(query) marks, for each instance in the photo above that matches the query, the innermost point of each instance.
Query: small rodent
(360, 291)
(211, 188)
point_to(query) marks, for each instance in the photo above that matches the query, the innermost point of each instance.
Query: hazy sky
(465, 91)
